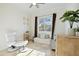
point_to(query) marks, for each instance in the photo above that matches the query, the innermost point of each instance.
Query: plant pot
(77, 33)
(71, 32)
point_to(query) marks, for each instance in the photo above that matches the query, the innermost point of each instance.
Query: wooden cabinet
(67, 45)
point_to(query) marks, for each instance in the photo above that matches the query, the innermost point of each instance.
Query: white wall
(10, 19)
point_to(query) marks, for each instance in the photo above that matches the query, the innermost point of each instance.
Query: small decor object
(77, 31)
(71, 32)
(71, 16)
(13, 47)
(47, 36)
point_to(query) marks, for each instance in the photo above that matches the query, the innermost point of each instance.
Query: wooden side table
(26, 36)
(67, 45)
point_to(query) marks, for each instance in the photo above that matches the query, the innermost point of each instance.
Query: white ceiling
(24, 7)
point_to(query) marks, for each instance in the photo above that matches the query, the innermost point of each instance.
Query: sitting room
(39, 29)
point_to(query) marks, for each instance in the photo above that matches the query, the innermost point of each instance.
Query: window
(44, 26)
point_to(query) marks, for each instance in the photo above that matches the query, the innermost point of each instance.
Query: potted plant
(71, 16)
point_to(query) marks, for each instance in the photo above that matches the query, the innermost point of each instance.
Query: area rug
(31, 52)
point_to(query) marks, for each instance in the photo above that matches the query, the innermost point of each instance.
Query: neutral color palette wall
(10, 19)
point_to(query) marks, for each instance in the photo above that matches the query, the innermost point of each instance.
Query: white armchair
(13, 43)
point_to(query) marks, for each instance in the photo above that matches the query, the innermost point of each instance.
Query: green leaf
(72, 16)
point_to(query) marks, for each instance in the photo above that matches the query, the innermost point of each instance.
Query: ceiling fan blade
(40, 3)
(37, 6)
(30, 5)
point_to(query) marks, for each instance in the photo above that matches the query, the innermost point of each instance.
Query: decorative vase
(77, 33)
(71, 32)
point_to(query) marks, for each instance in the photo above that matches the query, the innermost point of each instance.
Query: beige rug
(31, 52)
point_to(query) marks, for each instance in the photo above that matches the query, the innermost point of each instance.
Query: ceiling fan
(35, 4)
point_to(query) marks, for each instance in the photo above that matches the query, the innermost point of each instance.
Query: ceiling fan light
(34, 3)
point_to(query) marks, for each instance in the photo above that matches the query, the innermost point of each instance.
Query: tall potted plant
(71, 16)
